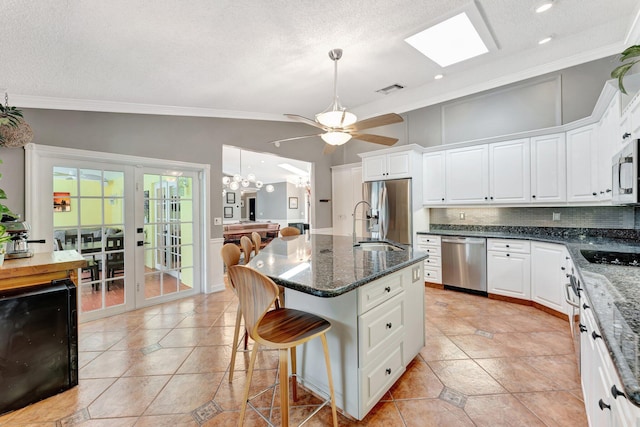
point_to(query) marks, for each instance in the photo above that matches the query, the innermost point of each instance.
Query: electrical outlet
(462, 215)
(556, 216)
(217, 221)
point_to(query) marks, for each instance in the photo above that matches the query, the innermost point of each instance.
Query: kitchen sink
(377, 246)
(614, 258)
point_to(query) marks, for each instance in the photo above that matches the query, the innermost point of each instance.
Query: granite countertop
(612, 289)
(328, 266)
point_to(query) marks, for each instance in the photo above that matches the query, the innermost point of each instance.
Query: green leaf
(3, 195)
(630, 52)
(619, 73)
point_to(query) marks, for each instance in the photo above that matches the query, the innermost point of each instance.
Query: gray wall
(272, 205)
(189, 139)
(618, 217)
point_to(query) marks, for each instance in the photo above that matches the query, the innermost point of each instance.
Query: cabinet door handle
(585, 306)
(389, 325)
(582, 327)
(615, 392)
(562, 268)
(594, 193)
(533, 197)
(595, 336)
(388, 371)
(626, 135)
(443, 199)
(603, 405)
(387, 289)
(507, 245)
(491, 197)
(486, 198)
(508, 255)
(608, 190)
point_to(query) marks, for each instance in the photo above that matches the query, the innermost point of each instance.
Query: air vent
(393, 88)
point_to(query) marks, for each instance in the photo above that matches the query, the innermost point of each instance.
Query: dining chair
(257, 241)
(114, 263)
(289, 231)
(283, 329)
(247, 247)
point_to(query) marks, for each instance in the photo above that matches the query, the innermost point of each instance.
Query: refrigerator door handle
(384, 212)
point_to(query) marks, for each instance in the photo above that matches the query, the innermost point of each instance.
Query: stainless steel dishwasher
(464, 263)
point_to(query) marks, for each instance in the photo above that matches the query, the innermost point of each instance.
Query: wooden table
(40, 268)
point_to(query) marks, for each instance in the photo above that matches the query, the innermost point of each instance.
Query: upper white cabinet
(467, 175)
(433, 172)
(387, 166)
(607, 139)
(509, 173)
(629, 124)
(548, 169)
(582, 166)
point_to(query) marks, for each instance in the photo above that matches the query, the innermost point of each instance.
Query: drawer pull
(615, 392)
(507, 246)
(562, 268)
(387, 289)
(603, 405)
(388, 371)
(389, 325)
(595, 336)
(428, 274)
(508, 255)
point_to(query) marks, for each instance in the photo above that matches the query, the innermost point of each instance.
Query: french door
(139, 227)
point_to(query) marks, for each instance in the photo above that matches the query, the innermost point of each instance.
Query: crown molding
(50, 103)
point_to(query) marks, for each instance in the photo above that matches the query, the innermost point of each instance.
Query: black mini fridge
(38, 343)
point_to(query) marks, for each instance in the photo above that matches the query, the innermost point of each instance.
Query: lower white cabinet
(433, 265)
(509, 268)
(601, 386)
(548, 275)
(376, 330)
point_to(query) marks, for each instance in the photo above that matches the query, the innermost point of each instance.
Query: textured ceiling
(260, 59)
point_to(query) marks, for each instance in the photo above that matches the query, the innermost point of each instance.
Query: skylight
(451, 41)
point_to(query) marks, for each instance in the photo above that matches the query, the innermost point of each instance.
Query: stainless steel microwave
(625, 175)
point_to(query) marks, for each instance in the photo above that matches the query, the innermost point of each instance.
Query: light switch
(217, 221)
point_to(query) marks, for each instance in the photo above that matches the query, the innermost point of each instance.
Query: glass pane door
(170, 235)
(89, 216)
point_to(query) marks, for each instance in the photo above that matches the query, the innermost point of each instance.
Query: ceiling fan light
(335, 138)
(333, 119)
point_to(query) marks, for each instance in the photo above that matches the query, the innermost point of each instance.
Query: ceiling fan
(339, 125)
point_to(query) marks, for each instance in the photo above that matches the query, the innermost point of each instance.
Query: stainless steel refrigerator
(391, 203)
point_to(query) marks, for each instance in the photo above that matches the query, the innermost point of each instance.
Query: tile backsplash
(610, 217)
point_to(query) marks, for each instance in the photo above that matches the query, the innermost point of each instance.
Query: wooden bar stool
(247, 248)
(257, 241)
(282, 329)
(289, 231)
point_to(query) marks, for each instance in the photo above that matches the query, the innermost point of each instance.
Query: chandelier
(240, 182)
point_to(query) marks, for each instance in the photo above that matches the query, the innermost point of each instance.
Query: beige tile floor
(486, 363)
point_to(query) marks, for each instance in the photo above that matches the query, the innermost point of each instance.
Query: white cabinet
(582, 167)
(376, 330)
(548, 275)
(548, 169)
(467, 175)
(387, 166)
(509, 171)
(608, 143)
(346, 191)
(433, 172)
(634, 115)
(604, 405)
(432, 265)
(509, 268)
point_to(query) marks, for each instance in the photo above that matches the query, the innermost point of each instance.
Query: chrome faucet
(368, 217)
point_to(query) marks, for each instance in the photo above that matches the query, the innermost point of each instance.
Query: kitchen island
(374, 299)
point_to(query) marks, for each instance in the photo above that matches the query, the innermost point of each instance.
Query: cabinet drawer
(507, 245)
(432, 261)
(431, 250)
(380, 326)
(378, 377)
(379, 291)
(428, 240)
(433, 275)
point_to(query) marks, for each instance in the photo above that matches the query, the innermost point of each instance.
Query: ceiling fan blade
(376, 139)
(373, 122)
(306, 121)
(294, 138)
(328, 148)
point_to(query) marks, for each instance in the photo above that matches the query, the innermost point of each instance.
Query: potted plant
(5, 212)
(14, 131)
(630, 57)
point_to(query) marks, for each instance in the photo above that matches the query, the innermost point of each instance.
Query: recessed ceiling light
(453, 40)
(438, 76)
(545, 40)
(544, 7)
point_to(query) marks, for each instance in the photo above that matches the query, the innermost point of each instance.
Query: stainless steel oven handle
(567, 297)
